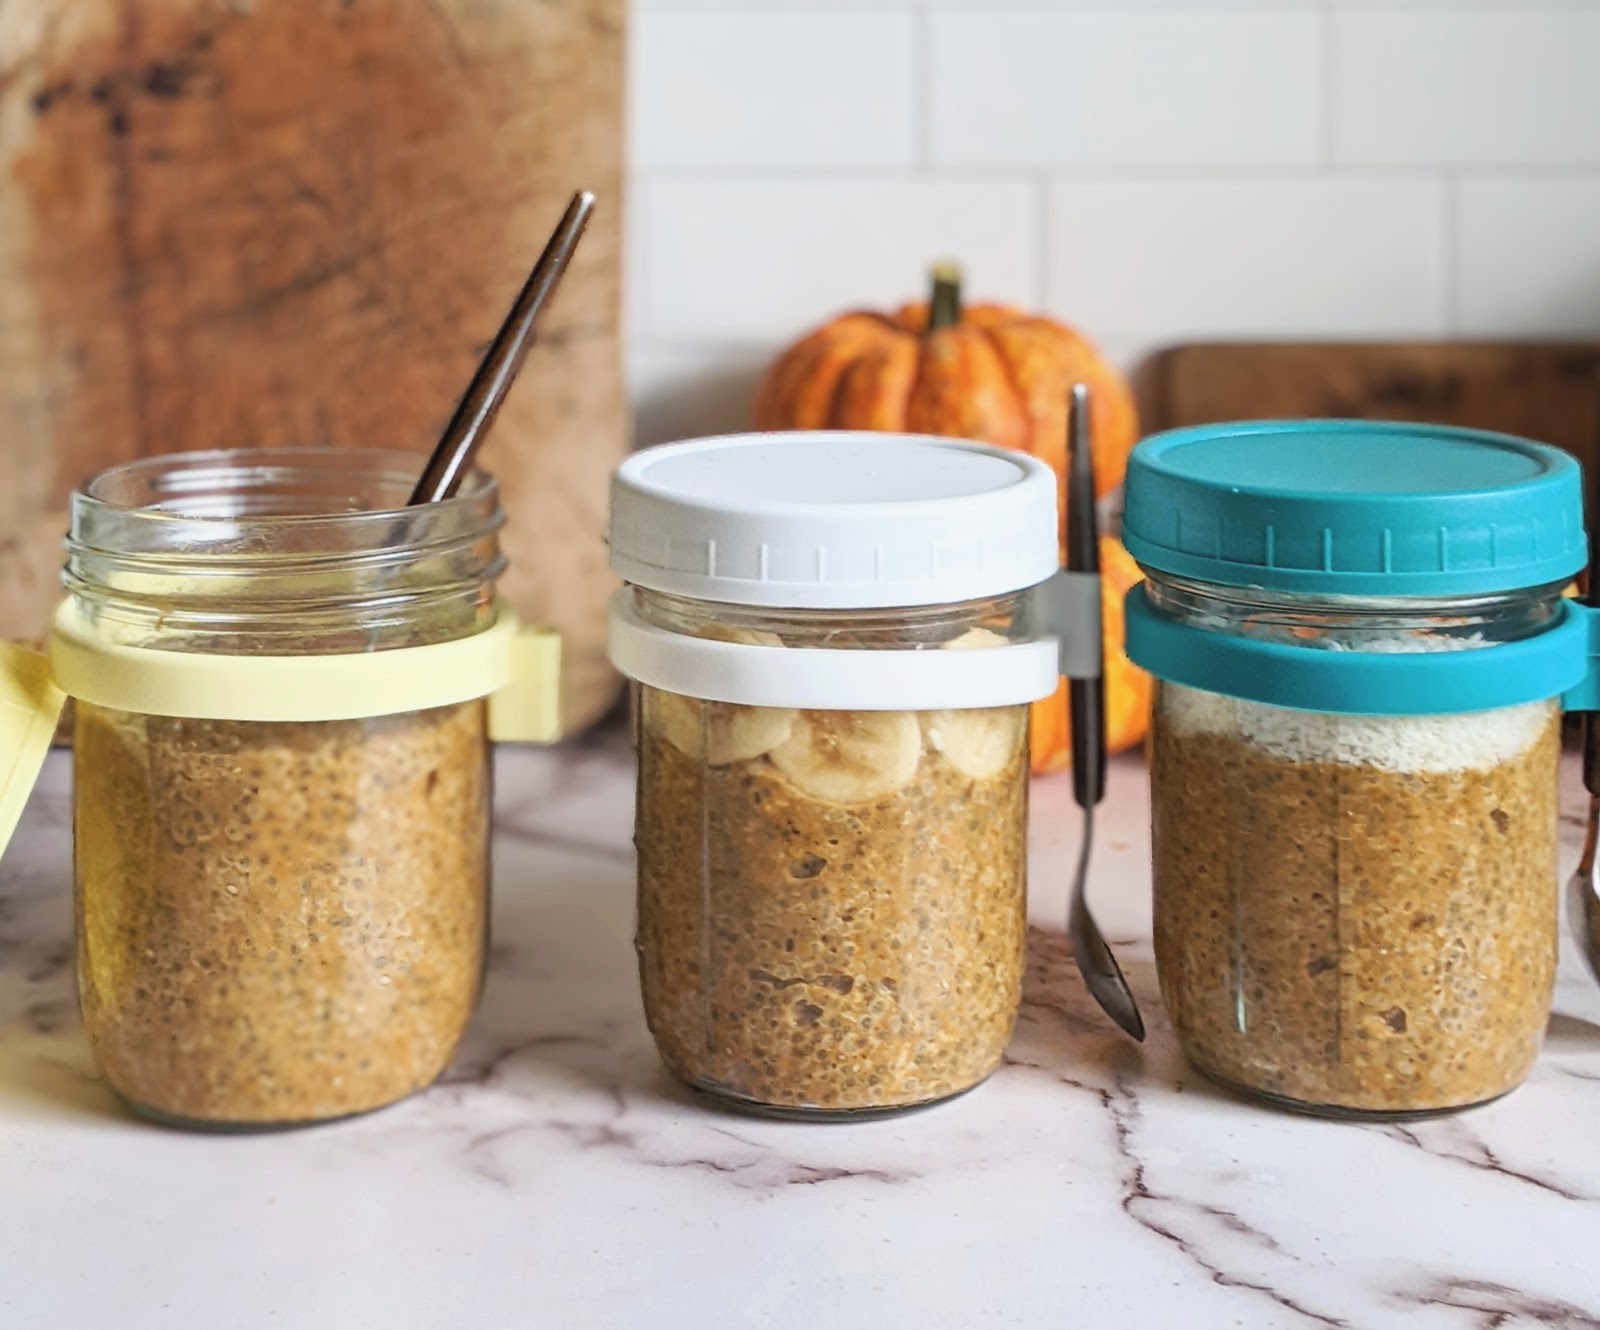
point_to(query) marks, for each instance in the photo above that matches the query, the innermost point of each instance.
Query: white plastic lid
(833, 520)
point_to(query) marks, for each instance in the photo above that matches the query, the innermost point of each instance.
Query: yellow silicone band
(30, 706)
(506, 658)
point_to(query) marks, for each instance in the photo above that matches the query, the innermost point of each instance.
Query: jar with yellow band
(285, 695)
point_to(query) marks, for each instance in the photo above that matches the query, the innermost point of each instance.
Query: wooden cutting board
(1548, 391)
(287, 222)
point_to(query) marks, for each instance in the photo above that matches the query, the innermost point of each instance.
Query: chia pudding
(831, 903)
(279, 922)
(1356, 914)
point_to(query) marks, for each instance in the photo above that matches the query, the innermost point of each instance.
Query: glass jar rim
(1355, 605)
(391, 465)
(272, 545)
(241, 504)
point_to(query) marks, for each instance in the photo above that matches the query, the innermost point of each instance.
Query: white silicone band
(826, 678)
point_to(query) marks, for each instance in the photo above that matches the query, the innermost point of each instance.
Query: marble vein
(1495, 1307)
(1161, 1212)
(1453, 1140)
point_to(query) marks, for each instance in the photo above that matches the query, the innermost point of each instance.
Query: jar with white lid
(834, 641)
(1363, 652)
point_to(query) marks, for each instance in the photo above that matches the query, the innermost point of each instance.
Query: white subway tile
(823, 89)
(1493, 88)
(1126, 354)
(1528, 257)
(1122, 89)
(1137, 261)
(762, 261)
(683, 392)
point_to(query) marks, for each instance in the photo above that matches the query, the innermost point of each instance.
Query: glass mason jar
(1356, 904)
(1356, 913)
(832, 810)
(281, 906)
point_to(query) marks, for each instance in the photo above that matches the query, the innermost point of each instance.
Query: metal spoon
(1583, 889)
(451, 459)
(452, 456)
(1086, 707)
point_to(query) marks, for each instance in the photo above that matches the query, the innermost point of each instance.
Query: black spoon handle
(1086, 698)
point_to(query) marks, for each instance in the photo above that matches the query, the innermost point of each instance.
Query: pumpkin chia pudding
(279, 922)
(1356, 914)
(831, 903)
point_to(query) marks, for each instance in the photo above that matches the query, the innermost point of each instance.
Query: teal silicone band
(1585, 694)
(1559, 662)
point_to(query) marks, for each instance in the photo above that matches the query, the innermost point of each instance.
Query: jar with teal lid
(1363, 651)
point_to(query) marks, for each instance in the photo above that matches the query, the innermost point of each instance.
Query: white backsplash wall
(1153, 172)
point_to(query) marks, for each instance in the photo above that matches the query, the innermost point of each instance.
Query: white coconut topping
(1464, 741)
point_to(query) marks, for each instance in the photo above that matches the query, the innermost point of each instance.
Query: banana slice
(976, 637)
(721, 733)
(750, 637)
(718, 733)
(677, 719)
(979, 742)
(848, 757)
(741, 734)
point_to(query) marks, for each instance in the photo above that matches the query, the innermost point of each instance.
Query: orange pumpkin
(987, 372)
(992, 373)
(1128, 688)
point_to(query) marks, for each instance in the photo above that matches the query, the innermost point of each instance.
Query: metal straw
(452, 457)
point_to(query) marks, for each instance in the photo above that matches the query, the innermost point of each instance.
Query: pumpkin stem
(944, 305)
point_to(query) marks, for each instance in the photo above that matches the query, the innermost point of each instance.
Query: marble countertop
(557, 1178)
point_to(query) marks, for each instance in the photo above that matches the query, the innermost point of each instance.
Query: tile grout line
(631, 257)
(977, 7)
(1041, 242)
(1325, 107)
(677, 8)
(919, 90)
(1450, 246)
(1158, 173)
(753, 353)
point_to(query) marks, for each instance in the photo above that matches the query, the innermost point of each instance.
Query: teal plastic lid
(1354, 507)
